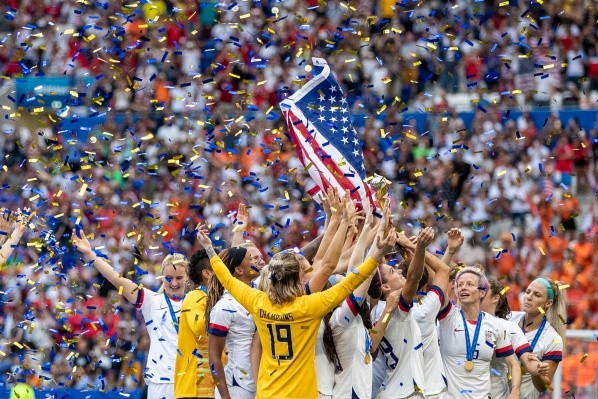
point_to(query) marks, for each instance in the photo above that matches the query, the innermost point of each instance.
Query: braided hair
(232, 258)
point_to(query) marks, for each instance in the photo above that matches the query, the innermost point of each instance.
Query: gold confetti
(583, 358)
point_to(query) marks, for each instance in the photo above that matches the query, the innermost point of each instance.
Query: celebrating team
(361, 312)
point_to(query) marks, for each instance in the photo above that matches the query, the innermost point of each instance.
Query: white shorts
(435, 396)
(322, 396)
(236, 393)
(160, 391)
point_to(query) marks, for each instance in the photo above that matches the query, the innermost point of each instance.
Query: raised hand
(425, 237)
(334, 201)
(242, 218)
(392, 300)
(23, 218)
(405, 242)
(202, 236)
(5, 223)
(382, 244)
(350, 212)
(455, 240)
(81, 243)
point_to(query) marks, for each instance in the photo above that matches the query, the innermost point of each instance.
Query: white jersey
(229, 319)
(379, 365)
(353, 344)
(425, 311)
(324, 368)
(548, 347)
(499, 382)
(163, 335)
(402, 348)
(474, 384)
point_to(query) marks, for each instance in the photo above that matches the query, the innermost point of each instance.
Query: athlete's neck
(243, 278)
(471, 311)
(532, 323)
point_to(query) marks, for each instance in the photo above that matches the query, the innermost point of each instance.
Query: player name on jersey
(264, 314)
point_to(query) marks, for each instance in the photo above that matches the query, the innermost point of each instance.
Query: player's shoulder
(493, 321)
(194, 296)
(551, 336)
(516, 317)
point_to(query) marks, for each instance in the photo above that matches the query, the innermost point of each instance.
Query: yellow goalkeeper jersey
(192, 376)
(288, 332)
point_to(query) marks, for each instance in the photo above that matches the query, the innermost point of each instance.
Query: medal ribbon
(470, 345)
(538, 333)
(175, 321)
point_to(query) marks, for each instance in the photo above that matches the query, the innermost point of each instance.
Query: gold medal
(367, 359)
(468, 365)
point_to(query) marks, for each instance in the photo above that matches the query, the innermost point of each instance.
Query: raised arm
(310, 249)
(416, 266)
(244, 294)
(240, 225)
(325, 267)
(125, 286)
(392, 302)
(365, 239)
(334, 212)
(455, 240)
(343, 262)
(19, 228)
(327, 300)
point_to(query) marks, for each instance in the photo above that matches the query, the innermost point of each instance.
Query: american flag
(326, 142)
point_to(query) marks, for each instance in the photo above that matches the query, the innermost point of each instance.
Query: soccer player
(402, 342)
(542, 321)
(160, 310)
(193, 377)
(496, 304)
(425, 310)
(470, 337)
(230, 325)
(287, 320)
(351, 322)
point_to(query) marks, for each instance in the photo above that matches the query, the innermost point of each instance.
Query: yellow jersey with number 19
(288, 332)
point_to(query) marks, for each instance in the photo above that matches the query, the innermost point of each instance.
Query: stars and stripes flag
(326, 142)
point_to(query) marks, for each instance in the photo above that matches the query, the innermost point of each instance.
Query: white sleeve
(446, 313)
(344, 314)
(517, 337)
(430, 304)
(144, 303)
(221, 318)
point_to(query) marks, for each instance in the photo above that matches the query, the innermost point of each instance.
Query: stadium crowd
(189, 87)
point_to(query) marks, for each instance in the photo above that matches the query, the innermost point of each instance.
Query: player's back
(288, 334)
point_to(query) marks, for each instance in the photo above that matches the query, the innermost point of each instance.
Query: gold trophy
(380, 185)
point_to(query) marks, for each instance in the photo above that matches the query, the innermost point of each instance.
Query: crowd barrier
(77, 394)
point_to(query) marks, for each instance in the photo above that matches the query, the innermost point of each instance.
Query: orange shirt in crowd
(583, 253)
(577, 374)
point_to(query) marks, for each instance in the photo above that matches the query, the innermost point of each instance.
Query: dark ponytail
(232, 258)
(328, 338)
(503, 310)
